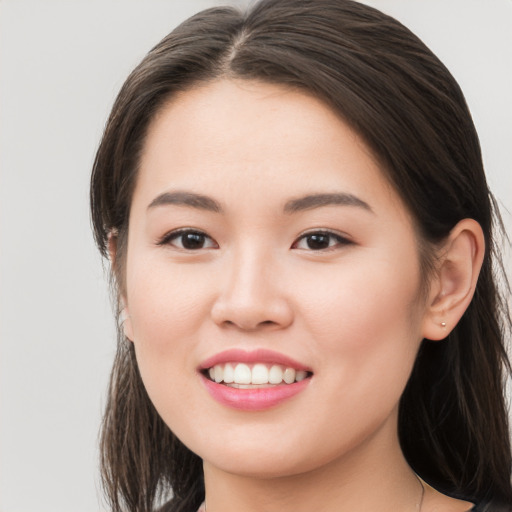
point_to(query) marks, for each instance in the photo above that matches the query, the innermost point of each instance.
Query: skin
(352, 311)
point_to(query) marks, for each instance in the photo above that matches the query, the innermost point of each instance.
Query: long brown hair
(404, 103)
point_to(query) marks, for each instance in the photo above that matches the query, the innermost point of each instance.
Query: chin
(265, 467)
(267, 459)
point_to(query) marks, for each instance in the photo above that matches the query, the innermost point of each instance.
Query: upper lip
(252, 356)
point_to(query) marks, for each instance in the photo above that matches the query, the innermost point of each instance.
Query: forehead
(257, 140)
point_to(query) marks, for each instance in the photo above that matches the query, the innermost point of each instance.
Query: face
(267, 252)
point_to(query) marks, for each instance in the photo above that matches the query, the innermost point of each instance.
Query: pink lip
(253, 356)
(256, 399)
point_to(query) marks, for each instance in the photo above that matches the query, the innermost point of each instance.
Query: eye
(189, 240)
(320, 240)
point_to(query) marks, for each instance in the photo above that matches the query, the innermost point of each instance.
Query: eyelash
(340, 240)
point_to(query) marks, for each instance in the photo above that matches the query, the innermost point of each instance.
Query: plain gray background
(61, 65)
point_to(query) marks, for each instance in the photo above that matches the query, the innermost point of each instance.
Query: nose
(252, 295)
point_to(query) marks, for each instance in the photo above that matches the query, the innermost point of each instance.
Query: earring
(443, 324)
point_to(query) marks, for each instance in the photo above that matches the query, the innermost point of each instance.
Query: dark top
(491, 507)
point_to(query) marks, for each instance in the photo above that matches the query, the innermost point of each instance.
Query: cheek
(368, 318)
(166, 308)
(164, 303)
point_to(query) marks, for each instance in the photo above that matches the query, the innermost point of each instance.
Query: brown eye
(193, 240)
(189, 240)
(320, 240)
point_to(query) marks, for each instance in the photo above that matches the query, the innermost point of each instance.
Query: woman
(301, 239)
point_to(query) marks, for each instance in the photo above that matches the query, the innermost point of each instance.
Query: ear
(124, 316)
(453, 286)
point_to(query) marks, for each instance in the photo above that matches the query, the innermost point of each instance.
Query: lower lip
(256, 399)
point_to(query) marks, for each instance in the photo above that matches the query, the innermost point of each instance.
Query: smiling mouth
(250, 376)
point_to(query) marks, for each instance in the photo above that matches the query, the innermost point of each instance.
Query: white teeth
(289, 375)
(300, 375)
(218, 373)
(259, 374)
(229, 373)
(275, 375)
(242, 375)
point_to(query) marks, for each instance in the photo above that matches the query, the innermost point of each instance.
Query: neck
(373, 476)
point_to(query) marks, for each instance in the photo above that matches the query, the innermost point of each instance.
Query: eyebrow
(308, 202)
(318, 200)
(191, 199)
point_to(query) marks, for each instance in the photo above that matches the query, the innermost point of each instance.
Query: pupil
(318, 241)
(193, 240)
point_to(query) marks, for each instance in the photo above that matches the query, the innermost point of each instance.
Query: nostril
(250, 312)
(246, 326)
